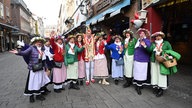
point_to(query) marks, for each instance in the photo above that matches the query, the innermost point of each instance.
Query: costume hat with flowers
(88, 30)
(160, 33)
(35, 39)
(127, 31)
(147, 33)
(117, 36)
(58, 37)
(100, 34)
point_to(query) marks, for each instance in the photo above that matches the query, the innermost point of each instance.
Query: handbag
(57, 64)
(37, 67)
(70, 60)
(170, 63)
(119, 62)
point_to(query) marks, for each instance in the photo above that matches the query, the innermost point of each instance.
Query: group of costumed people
(82, 56)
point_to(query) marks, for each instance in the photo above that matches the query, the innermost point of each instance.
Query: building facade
(21, 16)
(173, 17)
(6, 26)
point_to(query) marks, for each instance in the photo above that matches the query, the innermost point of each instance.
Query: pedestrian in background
(116, 49)
(141, 60)
(71, 61)
(129, 47)
(37, 78)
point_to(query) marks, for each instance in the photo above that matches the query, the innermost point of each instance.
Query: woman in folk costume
(141, 59)
(129, 47)
(48, 57)
(158, 48)
(117, 54)
(59, 70)
(44, 60)
(100, 63)
(89, 55)
(81, 58)
(37, 78)
(71, 61)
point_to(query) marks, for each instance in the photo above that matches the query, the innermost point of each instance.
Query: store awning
(8, 26)
(115, 12)
(101, 19)
(110, 10)
(68, 31)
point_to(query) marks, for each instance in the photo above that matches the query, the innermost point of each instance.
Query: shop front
(174, 18)
(6, 38)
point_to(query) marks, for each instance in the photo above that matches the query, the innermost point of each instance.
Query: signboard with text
(103, 5)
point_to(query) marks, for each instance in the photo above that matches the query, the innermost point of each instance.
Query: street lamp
(142, 14)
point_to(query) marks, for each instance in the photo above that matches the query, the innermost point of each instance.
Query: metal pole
(77, 9)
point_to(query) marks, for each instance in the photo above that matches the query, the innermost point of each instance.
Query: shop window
(1, 10)
(7, 12)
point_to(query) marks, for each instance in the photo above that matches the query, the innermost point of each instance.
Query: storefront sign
(146, 3)
(102, 5)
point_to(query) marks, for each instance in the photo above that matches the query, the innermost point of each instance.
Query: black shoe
(138, 89)
(160, 93)
(116, 82)
(46, 90)
(78, 83)
(155, 91)
(62, 88)
(57, 91)
(40, 97)
(31, 99)
(81, 82)
(44, 93)
(70, 85)
(73, 86)
(127, 84)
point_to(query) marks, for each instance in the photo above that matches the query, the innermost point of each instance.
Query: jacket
(58, 52)
(115, 55)
(80, 54)
(141, 54)
(71, 56)
(131, 47)
(166, 48)
(33, 55)
(100, 49)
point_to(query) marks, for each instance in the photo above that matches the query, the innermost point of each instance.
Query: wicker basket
(170, 63)
(159, 58)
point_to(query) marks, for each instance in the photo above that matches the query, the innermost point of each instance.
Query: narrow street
(13, 74)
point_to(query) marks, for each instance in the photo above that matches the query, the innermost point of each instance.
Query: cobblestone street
(13, 74)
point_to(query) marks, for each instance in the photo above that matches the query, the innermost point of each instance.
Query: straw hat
(147, 33)
(35, 39)
(127, 31)
(71, 36)
(117, 36)
(160, 33)
(79, 34)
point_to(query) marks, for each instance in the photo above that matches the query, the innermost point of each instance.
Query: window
(7, 12)
(1, 10)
